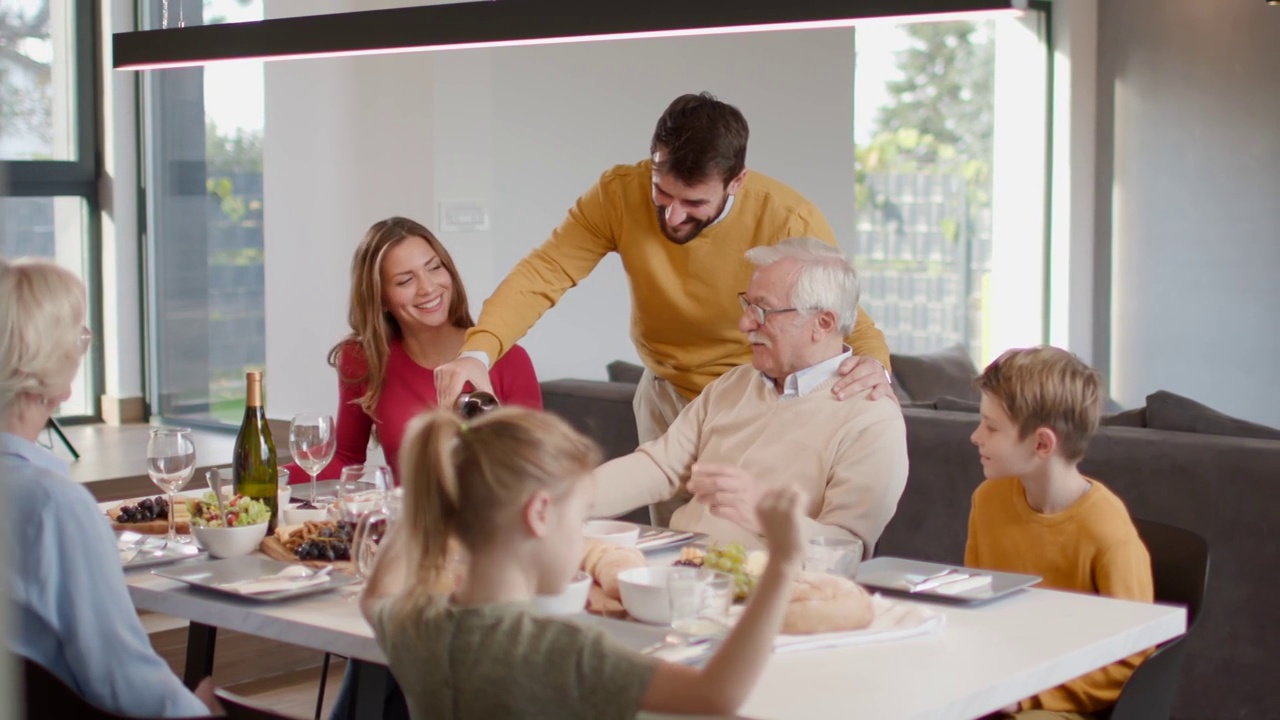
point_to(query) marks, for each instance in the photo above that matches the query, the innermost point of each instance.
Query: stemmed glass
(361, 488)
(171, 460)
(312, 444)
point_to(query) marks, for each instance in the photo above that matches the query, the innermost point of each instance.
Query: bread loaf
(826, 603)
(603, 561)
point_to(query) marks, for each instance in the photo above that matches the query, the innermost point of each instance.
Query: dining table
(980, 658)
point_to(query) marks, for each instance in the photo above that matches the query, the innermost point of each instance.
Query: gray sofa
(1227, 489)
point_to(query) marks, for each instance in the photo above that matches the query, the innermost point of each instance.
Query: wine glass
(171, 460)
(312, 444)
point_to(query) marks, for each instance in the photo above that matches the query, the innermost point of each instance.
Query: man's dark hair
(703, 138)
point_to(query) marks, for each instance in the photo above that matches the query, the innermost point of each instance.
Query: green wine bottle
(253, 468)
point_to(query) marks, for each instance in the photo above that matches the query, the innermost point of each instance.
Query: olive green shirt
(505, 661)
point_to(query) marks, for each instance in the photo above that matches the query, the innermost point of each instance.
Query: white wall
(1190, 141)
(524, 131)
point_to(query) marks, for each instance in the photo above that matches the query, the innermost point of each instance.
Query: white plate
(216, 574)
(893, 575)
(156, 550)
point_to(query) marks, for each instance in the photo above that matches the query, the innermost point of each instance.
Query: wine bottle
(476, 403)
(253, 469)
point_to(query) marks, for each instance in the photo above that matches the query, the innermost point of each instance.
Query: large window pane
(934, 125)
(206, 298)
(37, 77)
(54, 228)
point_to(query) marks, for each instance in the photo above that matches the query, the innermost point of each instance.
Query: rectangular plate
(211, 574)
(156, 551)
(889, 574)
(673, 538)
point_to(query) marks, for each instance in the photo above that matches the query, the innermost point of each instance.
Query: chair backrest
(1180, 571)
(1179, 565)
(47, 696)
(238, 708)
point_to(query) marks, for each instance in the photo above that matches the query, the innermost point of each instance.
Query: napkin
(290, 578)
(959, 586)
(891, 620)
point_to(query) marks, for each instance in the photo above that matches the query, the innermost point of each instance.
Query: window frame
(77, 178)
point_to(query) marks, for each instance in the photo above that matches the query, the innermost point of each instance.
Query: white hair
(826, 279)
(42, 313)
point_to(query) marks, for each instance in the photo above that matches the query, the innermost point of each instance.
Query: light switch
(463, 216)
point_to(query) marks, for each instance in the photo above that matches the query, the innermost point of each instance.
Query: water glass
(361, 488)
(834, 556)
(284, 493)
(699, 601)
(171, 461)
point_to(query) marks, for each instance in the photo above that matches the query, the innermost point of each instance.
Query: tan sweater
(684, 298)
(850, 457)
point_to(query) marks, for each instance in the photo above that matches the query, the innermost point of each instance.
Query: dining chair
(1180, 571)
(47, 696)
(239, 708)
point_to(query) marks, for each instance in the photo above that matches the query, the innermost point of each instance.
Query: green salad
(241, 511)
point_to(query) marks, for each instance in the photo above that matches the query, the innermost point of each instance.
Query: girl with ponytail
(513, 489)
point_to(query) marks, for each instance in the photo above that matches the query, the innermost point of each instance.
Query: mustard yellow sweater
(1090, 547)
(684, 298)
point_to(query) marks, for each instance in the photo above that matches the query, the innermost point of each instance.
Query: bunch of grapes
(731, 559)
(331, 543)
(147, 509)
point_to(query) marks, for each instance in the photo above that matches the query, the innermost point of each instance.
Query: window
(48, 199)
(950, 192)
(205, 295)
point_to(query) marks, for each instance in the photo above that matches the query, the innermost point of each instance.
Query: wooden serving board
(181, 523)
(274, 549)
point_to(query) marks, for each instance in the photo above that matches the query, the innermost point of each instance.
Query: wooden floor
(284, 678)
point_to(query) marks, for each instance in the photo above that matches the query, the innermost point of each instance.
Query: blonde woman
(408, 314)
(73, 613)
(512, 487)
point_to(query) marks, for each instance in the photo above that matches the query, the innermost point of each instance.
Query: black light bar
(502, 23)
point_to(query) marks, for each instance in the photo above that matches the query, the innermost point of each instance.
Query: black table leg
(200, 641)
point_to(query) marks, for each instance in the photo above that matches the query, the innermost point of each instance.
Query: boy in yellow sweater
(1037, 514)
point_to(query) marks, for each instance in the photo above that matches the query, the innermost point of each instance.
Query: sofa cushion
(932, 375)
(623, 371)
(1170, 411)
(1136, 417)
(946, 402)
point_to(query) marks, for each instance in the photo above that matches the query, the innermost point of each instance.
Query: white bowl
(294, 515)
(571, 600)
(612, 531)
(644, 593)
(229, 542)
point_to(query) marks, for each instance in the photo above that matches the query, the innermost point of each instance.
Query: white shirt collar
(728, 203)
(803, 382)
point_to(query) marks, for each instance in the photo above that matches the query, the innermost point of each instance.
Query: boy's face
(1002, 453)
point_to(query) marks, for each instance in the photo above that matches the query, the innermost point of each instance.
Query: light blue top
(71, 607)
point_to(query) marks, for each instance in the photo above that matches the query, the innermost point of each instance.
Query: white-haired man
(768, 423)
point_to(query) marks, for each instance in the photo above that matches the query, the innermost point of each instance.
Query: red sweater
(407, 389)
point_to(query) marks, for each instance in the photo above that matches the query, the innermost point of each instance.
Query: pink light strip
(726, 30)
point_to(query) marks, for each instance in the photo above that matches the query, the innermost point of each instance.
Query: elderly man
(776, 421)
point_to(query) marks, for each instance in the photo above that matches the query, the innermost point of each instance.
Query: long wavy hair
(373, 327)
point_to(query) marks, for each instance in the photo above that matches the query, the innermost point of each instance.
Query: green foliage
(939, 118)
(240, 153)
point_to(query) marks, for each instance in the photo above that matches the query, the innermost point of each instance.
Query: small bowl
(644, 593)
(612, 531)
(294, 515)
(229, 542)
(571, 600)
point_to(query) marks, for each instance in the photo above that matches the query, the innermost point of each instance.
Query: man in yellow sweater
(680, 221)
(1037, 514)
(775, 422)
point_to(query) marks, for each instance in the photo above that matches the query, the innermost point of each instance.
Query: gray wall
(1189, 183)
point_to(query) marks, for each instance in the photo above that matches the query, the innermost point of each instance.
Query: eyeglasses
(758, 313)
(86, 339)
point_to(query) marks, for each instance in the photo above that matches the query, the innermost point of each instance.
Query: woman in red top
(408, 314)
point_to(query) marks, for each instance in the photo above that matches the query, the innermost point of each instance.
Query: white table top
(980, 660)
